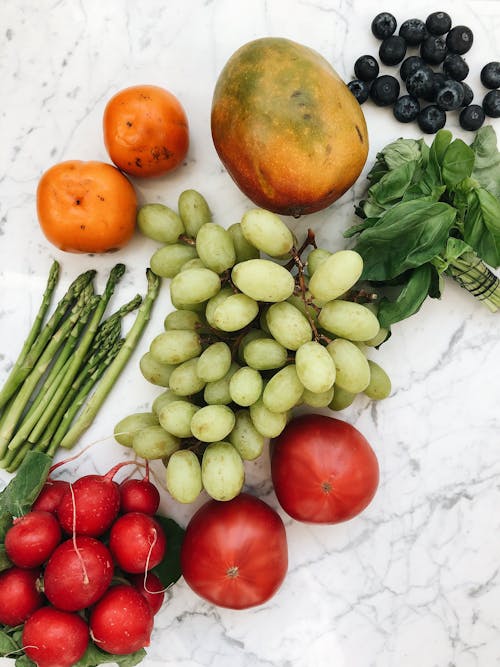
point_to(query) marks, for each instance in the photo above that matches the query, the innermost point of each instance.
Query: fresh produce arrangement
(431, 212)
(431, 93)
(260, 326)
(263, 323)
(84, 566)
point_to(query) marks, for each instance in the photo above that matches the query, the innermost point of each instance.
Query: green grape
(380, 384)
(353, 371)
(195, 285)
(349, 320)
(153, 442)
(222, 471)
(175, 346)
(195, 263)
(267, 232)
(213, 303)
(217, 393)
(317, 399)
(264, 354)
(235, 312)
(162, 399)
(269, 424)
(305, 308)
(316, 257)
(245, 438)
(175, 417)
(212, 423)
(245, 386)
(263, 280)
(168, 260)
(378, 339)
(335, 275)
(288, 325)
(215, 247)
(244, 250)
(315, 367)
(155, 372)
(195, 307)
(183, 476)
(214, 362)
(263, 322)
(283, 391)
(194, 211)
(252, 334)
(183, 320)
(342, 398)
(126, 428)
(184, 380)
(160, 223)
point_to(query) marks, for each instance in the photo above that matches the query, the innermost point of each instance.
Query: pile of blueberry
(430, 93)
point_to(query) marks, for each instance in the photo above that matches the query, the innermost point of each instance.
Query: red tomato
(235, 553)
(323, 469)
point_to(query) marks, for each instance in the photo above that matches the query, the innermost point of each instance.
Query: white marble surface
(415, 580)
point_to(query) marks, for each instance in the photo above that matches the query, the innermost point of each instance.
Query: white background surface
(412, 582)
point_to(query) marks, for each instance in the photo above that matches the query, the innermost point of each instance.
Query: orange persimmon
(86, 207)
(145, 130)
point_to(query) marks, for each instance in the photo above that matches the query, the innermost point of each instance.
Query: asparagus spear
(106, 383)
(37, 340)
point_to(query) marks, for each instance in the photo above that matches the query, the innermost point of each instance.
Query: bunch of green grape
(257, 329)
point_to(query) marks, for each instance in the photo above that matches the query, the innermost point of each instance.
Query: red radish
(122, 621)
(32, 538)
(50, 495)
(137, 542)
(20, 595)
(151, 588)
(139, 495)
(78, 573)
(54, 638)
(91, 504)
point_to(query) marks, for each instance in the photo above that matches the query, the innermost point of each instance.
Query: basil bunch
(431, 211)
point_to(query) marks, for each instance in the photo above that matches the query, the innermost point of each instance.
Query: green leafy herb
(431, 211)
(93, 656)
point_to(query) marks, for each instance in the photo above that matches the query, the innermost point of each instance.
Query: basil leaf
(169, 570)
(400, 152)
(457, 163)
(393, 185)
(436, 155)
(423, 192)
(482, 226)
(487, 160)
(406, 236)
(93, 656)
(356, 229)
(409, 299)
(23, 489)
(378, 169)
(7, 644)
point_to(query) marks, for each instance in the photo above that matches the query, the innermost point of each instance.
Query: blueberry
(406, 109)
(439, 80)
(384, 90)
(413, 31)
(433, 50)
(409, 65)
(459, 39)
(384, 25)
(450, 96)
(491, 104)
(490, 75)
(421, 82)
(468, 94)
(455, 67)
(438, 23)
(431, 119)
(392, 50)
(360, 90)
(366, 68)
(471, 117)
